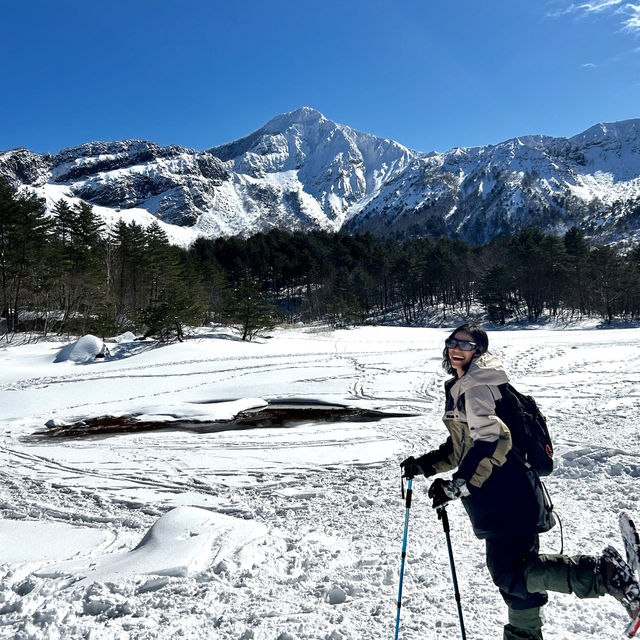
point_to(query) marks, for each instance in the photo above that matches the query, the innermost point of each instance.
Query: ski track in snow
(328, 567)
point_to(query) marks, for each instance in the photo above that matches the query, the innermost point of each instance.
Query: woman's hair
(479, 336)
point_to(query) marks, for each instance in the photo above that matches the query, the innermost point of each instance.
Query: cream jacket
(474, 421)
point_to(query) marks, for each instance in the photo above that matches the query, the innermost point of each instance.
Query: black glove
(412, 467)
(443, 491)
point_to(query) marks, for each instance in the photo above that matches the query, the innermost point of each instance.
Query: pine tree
(528, 266)
(175, 307)
(211, 275)
(496, 293)
(127, 255)
(87, 243)
(577, 251)
(606, 275)
(64, 222)
(8, 208)
(160, 264)
(250, 310)
(23, 236)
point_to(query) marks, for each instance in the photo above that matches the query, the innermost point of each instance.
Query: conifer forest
(67, 274)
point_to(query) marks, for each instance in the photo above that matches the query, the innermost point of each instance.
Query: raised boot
(619, 580)
(524, 624)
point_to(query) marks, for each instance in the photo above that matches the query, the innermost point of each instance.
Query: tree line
(350, 279)
(66, 273)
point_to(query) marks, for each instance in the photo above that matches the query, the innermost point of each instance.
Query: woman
(502, 495)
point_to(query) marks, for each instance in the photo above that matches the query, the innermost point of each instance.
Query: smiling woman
(461, 346)
(503, 495)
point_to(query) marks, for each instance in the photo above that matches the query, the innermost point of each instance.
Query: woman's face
(459, 358)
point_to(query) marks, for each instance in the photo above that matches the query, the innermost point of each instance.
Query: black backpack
(529, 433)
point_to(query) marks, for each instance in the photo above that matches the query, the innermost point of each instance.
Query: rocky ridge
(302, 171)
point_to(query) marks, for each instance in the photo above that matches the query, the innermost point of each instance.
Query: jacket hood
(485, 369)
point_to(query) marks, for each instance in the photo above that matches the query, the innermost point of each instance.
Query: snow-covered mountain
(302, 171)
(591, 180)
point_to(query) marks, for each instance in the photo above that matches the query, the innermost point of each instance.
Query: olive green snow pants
(564, 574)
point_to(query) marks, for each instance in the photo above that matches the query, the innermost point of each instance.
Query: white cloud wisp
(628, 12)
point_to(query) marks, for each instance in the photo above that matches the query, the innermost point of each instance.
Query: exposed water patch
(284, 413)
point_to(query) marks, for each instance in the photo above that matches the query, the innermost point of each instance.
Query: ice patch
(197, 412)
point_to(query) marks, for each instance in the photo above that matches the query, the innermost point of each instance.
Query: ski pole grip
(409, 494)
(442, 515)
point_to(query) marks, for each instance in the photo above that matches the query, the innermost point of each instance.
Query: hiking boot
(619, 580)
(513, 633)
(524, 624)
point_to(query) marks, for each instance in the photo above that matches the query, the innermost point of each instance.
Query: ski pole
(404, 550)
(442, 515)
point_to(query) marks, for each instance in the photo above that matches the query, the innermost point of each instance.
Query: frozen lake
(294, 531)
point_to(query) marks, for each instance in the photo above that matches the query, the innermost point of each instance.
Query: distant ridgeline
(302, 172)
(65, 272)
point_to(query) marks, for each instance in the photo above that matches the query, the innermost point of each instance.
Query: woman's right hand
(411, 467)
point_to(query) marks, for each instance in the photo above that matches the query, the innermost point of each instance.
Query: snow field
(287, 533)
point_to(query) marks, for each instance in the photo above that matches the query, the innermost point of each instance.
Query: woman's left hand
(442, 491)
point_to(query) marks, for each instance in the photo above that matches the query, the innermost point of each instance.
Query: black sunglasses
(465, 345)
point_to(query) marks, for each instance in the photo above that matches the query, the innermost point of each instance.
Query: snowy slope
(335, 165)
(287, 533)
(302, 171)
(592, 180)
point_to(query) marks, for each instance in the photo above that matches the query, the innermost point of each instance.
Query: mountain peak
(623, 130)
(303, 115)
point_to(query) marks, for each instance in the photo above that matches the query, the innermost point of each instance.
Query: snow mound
(127, 336)
(184, 541)
(83, 350)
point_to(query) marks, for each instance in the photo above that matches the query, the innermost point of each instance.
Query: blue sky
(430, 74)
